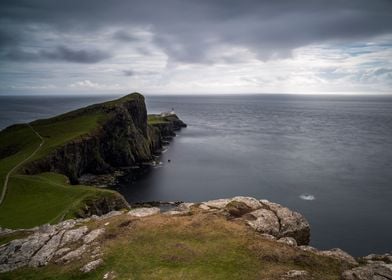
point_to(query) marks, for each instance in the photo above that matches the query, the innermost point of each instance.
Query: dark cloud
(128, 73)
(60, 53)
(131, 73)
(63, 53)
(122, 35)
(187, 30)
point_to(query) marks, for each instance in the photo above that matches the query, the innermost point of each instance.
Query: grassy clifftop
(48, 197)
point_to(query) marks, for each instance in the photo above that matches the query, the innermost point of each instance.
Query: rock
(107, 215)
(340, 255)
(91, 266)
(217, 203)
(265, 222)
(202, 206)
(374, 271)
(144, 212)
(61, 252)
(296, 274)
(386, 258)
(73, 255)
(251, 202)
(333, 253)
(91, 236)
(73, 235)
(292, 224)
(174, 212)
(185, 206)
(237, 208)
(268, 236)
(288, 240)
(110, 275)
(47, 251)
(18, 252)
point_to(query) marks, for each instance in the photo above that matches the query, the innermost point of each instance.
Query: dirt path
(3, 193)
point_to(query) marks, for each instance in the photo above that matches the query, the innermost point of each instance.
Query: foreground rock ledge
(73, 240)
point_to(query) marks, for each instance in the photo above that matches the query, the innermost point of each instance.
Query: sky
(195, 46)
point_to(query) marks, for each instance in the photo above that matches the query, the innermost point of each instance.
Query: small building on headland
(169, 113)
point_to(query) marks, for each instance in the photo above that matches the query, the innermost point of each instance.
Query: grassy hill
(43, 198)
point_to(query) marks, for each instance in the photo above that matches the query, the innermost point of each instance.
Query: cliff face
(124, 138)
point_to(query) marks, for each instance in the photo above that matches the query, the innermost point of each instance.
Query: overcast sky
(195, 46)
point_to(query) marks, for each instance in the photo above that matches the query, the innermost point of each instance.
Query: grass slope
(196, 246)
(34, 200)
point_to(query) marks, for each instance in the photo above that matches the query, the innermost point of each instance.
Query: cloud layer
(221, 45)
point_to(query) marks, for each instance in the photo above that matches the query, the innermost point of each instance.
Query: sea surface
(328, 157)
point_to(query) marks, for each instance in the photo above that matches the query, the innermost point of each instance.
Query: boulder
(217, 203)
(144, 211)
(373, 271)
(265, 222)
(288, 240)
(296, 275)
(94, 234)
(340, 255)
(237, 208)
(292, 224)
(91, 266)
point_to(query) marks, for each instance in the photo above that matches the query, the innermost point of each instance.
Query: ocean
(328, 157)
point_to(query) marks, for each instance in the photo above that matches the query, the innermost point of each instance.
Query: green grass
(43, 198)
(199, 246)
(34, 200)
(156, 119)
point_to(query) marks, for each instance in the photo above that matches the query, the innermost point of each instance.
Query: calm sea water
(328, 157)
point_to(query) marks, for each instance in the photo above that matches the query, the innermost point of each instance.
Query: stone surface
(292, 224)
(73, 255)
(237, 208)
(288, 240)
(47, 251)
(94, 234)
(217, 203)
(73, 235)
(251, 202)
(374, 271)
(296, 274)
(265, 222)
(91, 266)
(340, 255)
(144, 212)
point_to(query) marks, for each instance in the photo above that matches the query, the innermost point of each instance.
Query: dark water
(279, 147)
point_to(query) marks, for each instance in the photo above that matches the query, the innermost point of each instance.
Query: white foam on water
(307, 196)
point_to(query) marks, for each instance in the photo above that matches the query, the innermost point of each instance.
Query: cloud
(60, 53)
(87, 84)
(124, 36)
(128, 73)
(188, 30)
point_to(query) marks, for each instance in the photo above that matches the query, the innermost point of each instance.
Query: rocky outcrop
(73, 239)
(50, 243)
(123, 138)
(264, 216)
(375, 267)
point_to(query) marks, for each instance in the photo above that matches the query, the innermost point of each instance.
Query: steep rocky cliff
(122, 138)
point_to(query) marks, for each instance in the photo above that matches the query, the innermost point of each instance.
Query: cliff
(236, 238)
(99, 140)
(122, 138)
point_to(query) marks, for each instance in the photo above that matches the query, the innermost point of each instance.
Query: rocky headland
(274, 235)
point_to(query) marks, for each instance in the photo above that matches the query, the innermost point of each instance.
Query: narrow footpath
(3, 193)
